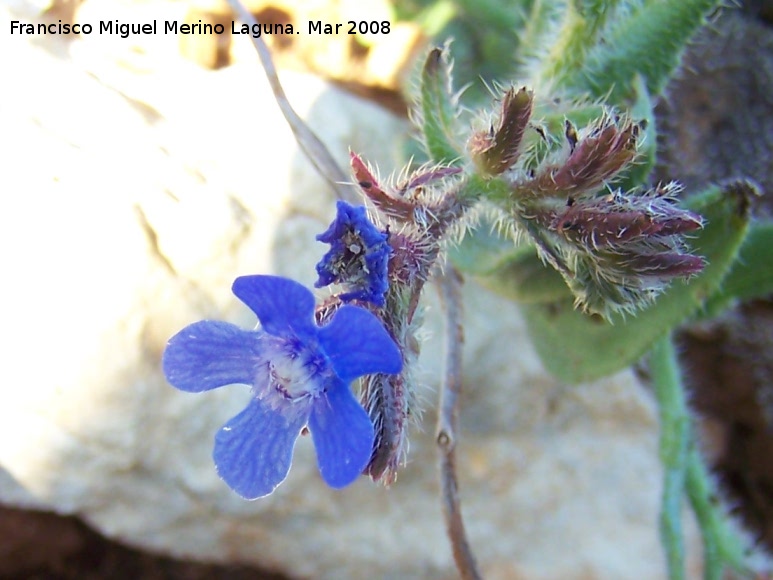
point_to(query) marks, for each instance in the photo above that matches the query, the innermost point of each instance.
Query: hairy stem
(721, 545)
(314, 150)
(700, 498)
(674, 437)
(686, 472)
(449, 286)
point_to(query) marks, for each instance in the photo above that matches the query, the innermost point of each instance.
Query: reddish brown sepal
(664, 265)
(369, 185)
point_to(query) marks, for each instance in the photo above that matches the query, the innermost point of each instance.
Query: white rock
(131, 202)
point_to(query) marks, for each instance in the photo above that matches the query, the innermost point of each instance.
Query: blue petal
(338, 226)
(357, 344)
(254, 450)
(364, 273)
(283, 306)
(326, 267)
(209, 354)
(342, 434)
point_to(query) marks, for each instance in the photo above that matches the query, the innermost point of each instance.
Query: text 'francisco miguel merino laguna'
(173, 27)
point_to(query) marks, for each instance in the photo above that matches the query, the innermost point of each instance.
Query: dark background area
(716, 124)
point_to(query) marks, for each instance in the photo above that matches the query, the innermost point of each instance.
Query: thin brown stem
(449, 286)
(314, 150)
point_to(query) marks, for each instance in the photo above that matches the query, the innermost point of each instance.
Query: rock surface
(139, 187)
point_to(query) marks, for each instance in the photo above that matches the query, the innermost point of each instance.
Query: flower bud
(662, 265)
(619, 251)
(369, 185)
(358, 256)
(496, 150)
(593, 159)
(617, 220)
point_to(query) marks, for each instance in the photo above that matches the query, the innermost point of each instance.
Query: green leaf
(438, 109)
(576, 347)
(496, 16)
(524, 278)
(483, 251)
(751, 276)
(649, 42)
(541, 17)
(434, 17)
(643, 110)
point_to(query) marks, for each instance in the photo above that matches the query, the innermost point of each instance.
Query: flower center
(297, 372)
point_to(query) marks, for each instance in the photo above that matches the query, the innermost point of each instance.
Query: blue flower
(358, 257)
(300, 375)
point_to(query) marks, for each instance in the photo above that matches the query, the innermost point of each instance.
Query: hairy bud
(413, 218)
(593, 159)
(496, 150)
(617, 220)
(618, 252)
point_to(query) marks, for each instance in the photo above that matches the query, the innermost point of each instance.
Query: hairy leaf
(438, 109)
(649, 42)
(751, 276)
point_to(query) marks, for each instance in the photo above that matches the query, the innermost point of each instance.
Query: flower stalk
(685, 472)
(449, 286)
(674, 442)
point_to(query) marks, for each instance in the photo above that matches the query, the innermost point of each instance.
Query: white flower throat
(296, 372)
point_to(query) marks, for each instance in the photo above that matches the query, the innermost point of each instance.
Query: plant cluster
(544, 196)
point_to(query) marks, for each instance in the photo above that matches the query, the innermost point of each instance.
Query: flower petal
(283, 306)
(342, 434)
(210, 354)
(254, 450)
(357, 344)
(358, 257)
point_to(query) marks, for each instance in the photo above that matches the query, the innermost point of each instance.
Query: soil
(45, 546)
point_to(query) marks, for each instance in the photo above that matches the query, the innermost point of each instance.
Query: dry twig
(312, 147)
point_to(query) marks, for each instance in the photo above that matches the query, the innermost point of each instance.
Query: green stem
(685, 472)
(674, 435)
(721, 545)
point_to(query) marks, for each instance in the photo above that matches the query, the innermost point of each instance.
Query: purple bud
(593, 227)
(496, 150)
(593, 160)
(619, 251)
(387, 401)
(425, 176)
(616, 220)
(664, 265)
